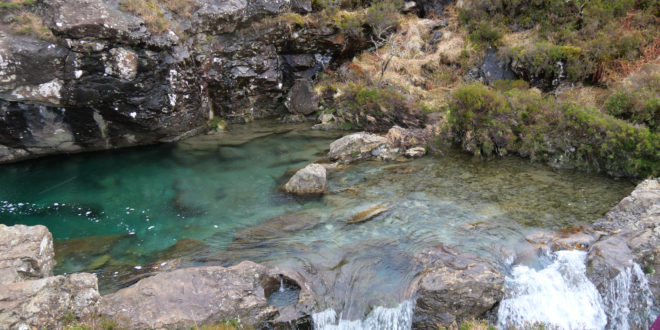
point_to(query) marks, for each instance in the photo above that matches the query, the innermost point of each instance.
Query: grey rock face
(631, 233)
(302, 98)
(309, 180)
(45, 302)
(191, 296)
(110, 82)
(26, 253)
(453, 287)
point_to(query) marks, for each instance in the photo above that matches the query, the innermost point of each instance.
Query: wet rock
(355, 146)
(574, 241)
(416, 152)
(406, 138)
(453, 287)
(428, 8)
(278, 227)
(26, 252)
(635, 221)
(309, 180)
(493, 68)
(368, 214)
(302, 98)
(193, 296)
(299, 313)
(42, 303)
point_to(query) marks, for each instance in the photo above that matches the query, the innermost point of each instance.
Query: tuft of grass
(29, 24)
(150, 11)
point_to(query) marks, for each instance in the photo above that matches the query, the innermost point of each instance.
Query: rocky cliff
(105, 74)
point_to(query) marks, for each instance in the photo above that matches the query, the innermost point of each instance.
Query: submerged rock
(44, 303)
(278, 227)
(193, 296)
(368, 214)
(453, 287)
(309, 180)
(26, 252)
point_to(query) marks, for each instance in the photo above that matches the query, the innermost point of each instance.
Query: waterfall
(628, 300)
(559, 295)
(397, 318)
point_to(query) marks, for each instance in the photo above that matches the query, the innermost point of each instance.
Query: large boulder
(193, 296)
(309, 180)
(45, 303)
(302, 98)
(355, 146)
(26, 253)
(453, 287)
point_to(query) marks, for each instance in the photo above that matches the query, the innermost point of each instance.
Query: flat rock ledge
(192, 296)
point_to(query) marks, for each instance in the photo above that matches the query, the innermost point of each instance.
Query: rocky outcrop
(45, 302)
(29, 296)
(193, 296)
(309, 180)
(302, 98)
(453, 287)
(355, 146)
(627, 255)
(110, 79)
(26, 253)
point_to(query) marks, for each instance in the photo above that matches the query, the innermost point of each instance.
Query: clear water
(119, 214)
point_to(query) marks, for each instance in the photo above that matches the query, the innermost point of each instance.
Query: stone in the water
(26, 252)
(453, 287)
(43, 303)
(368, 214)
(415, 152)
(277, 227)
(355, 146)
(309, 180)
(191, 297)
(302, 98)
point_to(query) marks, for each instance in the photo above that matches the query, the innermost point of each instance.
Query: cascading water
(628, 300)
(559, 295)
(397, 318)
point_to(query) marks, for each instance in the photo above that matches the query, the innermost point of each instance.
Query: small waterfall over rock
(559, 295)
(397, 318)
(628, 300)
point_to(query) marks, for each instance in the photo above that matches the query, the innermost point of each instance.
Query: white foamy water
(559, 295)
(397, 318)
(628, 300)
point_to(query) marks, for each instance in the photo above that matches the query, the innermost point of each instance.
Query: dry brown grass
(182, 8)
(27, 23)
(150, 11)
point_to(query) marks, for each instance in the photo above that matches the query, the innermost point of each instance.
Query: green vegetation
(638, 99)
(489, 122)
(225, 325)
(91, 322)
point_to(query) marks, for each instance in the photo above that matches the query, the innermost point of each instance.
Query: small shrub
(383, 16)
(485, 34)
(639, 100)
(487, 122)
